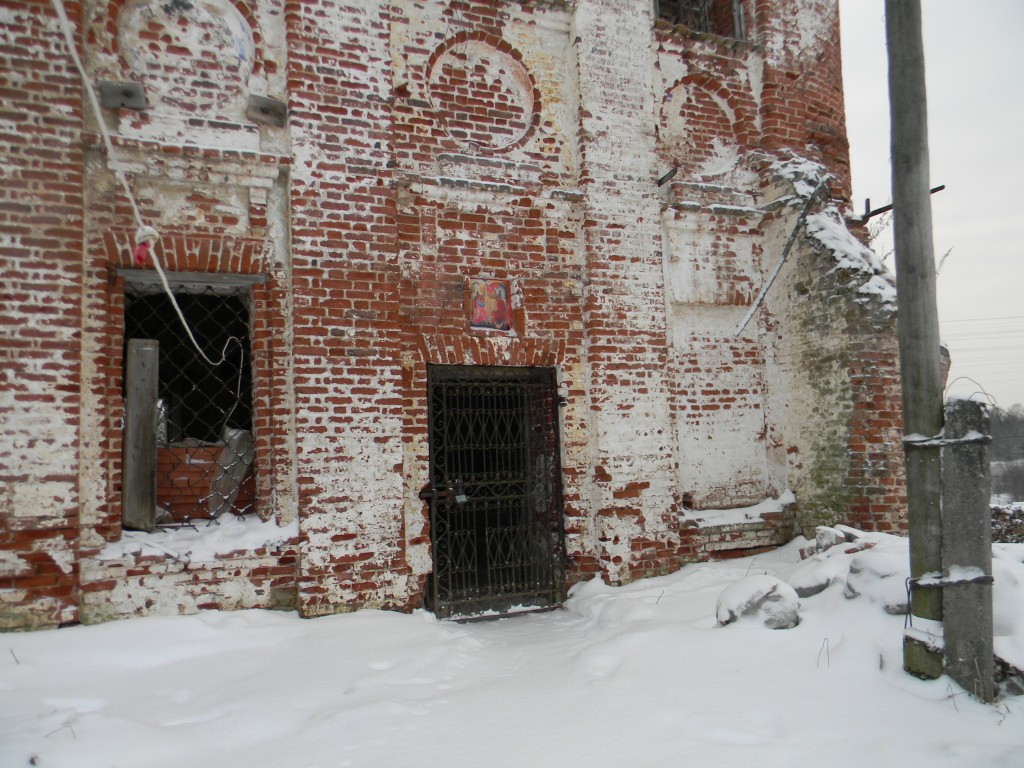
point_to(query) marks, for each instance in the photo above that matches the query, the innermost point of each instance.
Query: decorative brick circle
(483, 95)
(195, 53)
(703, 125)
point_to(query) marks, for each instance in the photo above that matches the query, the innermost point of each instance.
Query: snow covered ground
(635, 676)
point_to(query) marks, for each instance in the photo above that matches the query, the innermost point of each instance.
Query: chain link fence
(204, 438)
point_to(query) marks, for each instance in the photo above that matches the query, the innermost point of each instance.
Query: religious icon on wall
(490, 304)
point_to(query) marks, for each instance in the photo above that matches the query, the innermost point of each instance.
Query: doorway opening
(495, 490)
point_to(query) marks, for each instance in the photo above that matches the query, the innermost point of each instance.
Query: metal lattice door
(495, 489)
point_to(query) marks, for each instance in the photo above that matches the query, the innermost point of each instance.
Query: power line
(982, 319)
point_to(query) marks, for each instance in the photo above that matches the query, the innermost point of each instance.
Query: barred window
(717, 17)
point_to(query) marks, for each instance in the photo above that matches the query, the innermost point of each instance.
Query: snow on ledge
(829, 230)
(710, 518)
(206, 542)
(802, 172)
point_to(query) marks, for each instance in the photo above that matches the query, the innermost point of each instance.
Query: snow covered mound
(881, 575)
(770, 599)
(644, 670)
(875, 566)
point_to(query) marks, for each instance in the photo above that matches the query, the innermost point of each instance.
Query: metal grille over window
(495, 490)
(204, 442)
(717, 17)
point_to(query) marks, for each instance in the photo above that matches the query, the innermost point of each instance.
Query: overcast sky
(974, 57)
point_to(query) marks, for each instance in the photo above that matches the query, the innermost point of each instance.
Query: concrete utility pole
(920, 369)
(967, 550)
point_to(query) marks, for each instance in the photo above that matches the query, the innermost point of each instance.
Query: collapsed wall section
(834, 368)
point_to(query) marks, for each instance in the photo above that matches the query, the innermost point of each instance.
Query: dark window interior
(717, 17)
(200, 400)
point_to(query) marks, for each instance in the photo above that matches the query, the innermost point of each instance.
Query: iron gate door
(495, 489)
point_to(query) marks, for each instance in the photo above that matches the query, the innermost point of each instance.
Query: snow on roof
(805, 174)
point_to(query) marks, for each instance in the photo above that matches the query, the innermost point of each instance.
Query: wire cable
(143, 231)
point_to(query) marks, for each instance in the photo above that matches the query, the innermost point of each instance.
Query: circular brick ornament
(195, 53)
(698, 130)
(483, 94)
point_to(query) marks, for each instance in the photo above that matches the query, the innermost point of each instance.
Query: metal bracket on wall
(120, 95)
(267, 111)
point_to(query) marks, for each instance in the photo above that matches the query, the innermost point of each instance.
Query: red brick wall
(40, 305)
(802, 107)
(208, 197)
(624, 312)
(347, 371)
(428, 144)
(472, 207)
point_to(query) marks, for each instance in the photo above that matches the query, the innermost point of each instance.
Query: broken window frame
(139, 283)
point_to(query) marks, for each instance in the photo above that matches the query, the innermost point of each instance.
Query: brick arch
(491, 115)
(193, 253)
(446, 349)
(114, 8)
(259, 65)
(688, 130)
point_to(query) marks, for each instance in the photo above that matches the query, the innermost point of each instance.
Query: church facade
(316, 305)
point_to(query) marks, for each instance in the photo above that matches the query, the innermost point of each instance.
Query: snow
(804, 173)
(640, 675)
(827, 227)
(1008, 602)
(707, 518)
(771, 600)
(206, 541)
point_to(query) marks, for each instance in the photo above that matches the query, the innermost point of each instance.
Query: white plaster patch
(802, 33)
(617, 534)
(695, 265)
(813, 24)
(20, 611)
(40, 439)
(196, 207)
(59, 550)
(39, 504)
(723, 157)
(197, 52)
(12, 565)
(172, 129)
